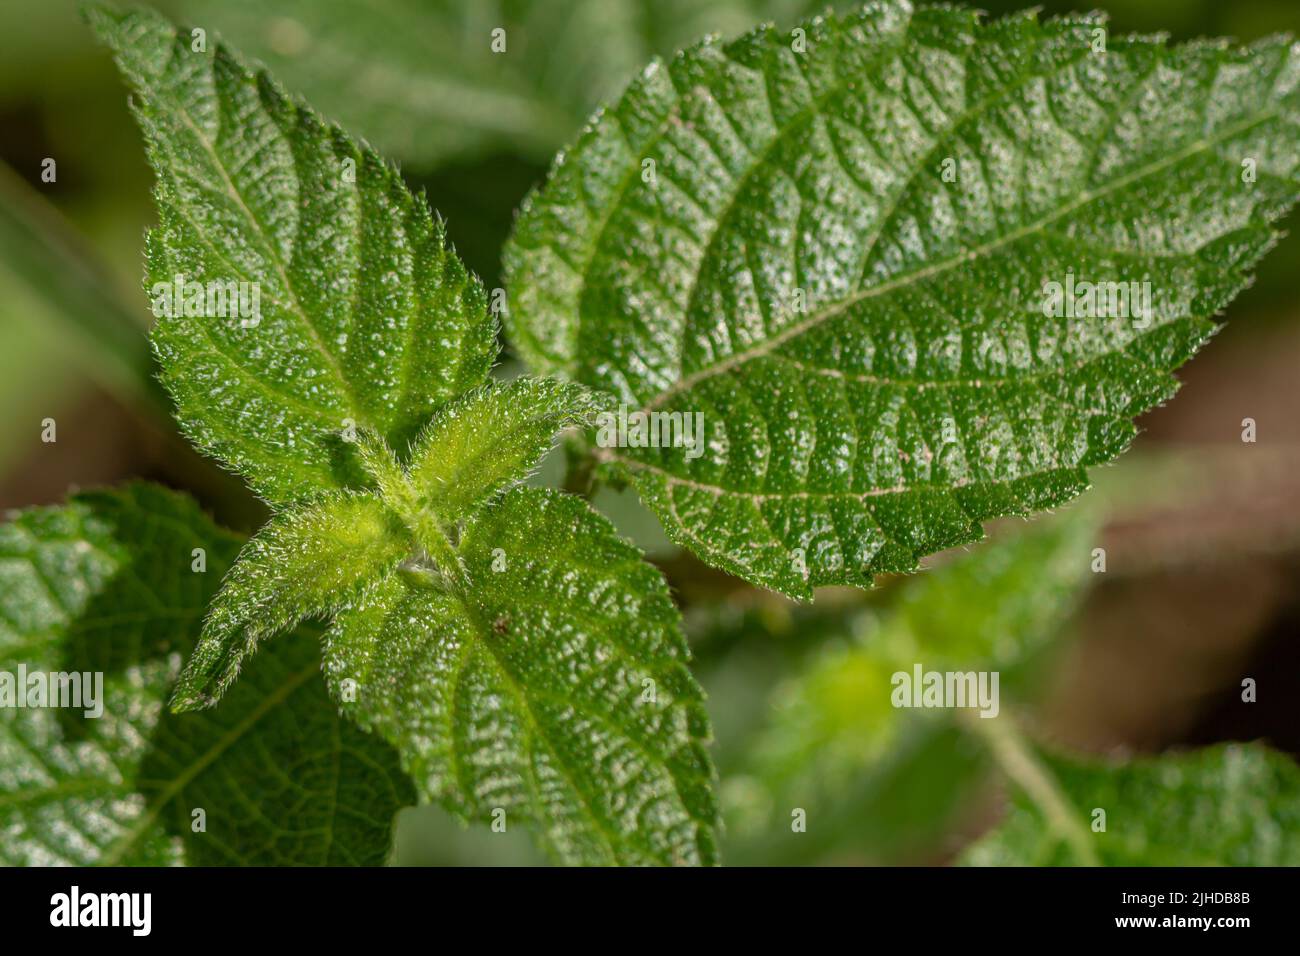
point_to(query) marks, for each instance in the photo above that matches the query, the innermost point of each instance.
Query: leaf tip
(193, 691)
(184, 702)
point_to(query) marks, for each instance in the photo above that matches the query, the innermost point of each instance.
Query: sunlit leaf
(552, 689)
(351, 310)
(836, 243)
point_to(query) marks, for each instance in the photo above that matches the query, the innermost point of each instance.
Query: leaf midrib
(272, 254)
(185, 777)
(483, 641)
(737, 359)
(812, 110)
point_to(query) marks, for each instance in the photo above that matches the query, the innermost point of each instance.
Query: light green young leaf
(521, 657)
(553, 689)
(305, 562)
(1231, 805)
(421, 80)
(356, 313)
(835, 244)
(106, 583)
(310, 560)
(835, 722)
(490, 439)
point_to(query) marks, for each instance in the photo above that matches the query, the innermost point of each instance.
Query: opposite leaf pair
(522, 658)
(312, 558)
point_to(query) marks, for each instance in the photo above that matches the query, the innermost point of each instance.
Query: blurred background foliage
(1201, 531)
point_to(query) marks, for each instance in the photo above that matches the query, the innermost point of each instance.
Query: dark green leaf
(420, 78)
(839, 257)
(106, 584)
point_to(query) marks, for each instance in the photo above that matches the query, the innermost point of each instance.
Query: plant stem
(1017, 760)
(431, 538)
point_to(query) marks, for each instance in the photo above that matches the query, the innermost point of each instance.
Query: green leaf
(553, 689)
(999, 603)
(491, 439)
(106, 584)
(306, 562)
(1231, 805)
(834, 725)
(839, 258)
(420, 79)
(366, 318)
(310, 560)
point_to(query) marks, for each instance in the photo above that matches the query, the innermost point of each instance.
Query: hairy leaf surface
(1231, 805)
(106, 584)
(309, 560)
(552, 689)
(522, 658)
(489, 440)
(836, 244)
(365, 318)
(303, 563)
